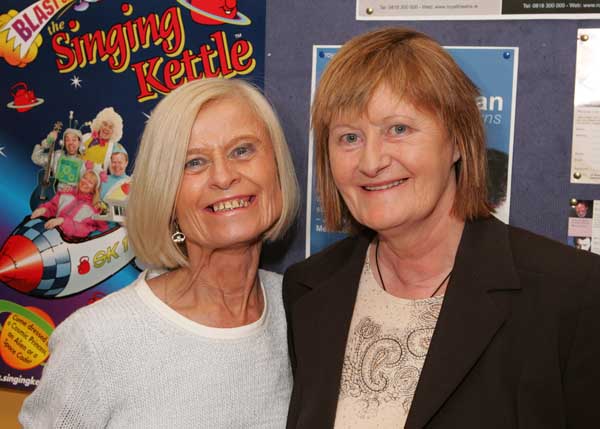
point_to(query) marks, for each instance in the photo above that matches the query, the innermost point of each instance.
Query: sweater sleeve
(83, 227)
(51, 206)
(70, 393)
(39, 156)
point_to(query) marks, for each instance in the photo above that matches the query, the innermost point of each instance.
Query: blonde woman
(73, 210)
(204, 343)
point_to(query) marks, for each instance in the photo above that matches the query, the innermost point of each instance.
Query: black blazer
(517, 342)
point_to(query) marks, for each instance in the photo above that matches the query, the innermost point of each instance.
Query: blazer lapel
(469, 318)
(324, 315)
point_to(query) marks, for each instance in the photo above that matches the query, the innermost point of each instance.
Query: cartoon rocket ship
(44, 263)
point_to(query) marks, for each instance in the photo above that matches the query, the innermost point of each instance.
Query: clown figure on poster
(107, 130)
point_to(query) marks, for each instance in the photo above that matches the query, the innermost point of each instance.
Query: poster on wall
(584, 225)
(79, 80)
(494, 72)
(585, 148)
(374, 10)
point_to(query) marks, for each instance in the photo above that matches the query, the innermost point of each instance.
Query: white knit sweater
(130, 361)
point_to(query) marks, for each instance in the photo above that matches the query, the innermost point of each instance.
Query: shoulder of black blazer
(492, 260)
(528, 252)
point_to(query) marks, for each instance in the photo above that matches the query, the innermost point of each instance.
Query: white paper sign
(585, 149)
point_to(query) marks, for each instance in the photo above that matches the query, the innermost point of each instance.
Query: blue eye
(242, 151)
(398, 130)
(350, 138)
(195, 164)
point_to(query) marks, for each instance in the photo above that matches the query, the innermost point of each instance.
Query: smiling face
(87, 183)
(394, 165)
(229, 194)
(118, 164)
(71, 143)
(581, 209)
(106, 130)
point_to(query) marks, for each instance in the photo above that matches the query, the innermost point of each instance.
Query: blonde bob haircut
(418, 70)
(160, 161)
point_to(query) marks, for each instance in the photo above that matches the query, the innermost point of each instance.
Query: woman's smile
(231, 205)
(393, 165)
(384, 186)
(229, 193)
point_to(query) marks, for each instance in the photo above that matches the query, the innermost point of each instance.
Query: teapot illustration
(24, 99)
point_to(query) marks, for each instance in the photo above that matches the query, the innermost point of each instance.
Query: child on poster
(74, 211)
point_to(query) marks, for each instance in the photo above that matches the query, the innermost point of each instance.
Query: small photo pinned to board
(584, 225)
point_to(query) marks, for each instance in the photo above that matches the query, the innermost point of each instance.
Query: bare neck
(219, 288)
(416, 260)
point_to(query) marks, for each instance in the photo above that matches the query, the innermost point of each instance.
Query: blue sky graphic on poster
(494, 71)
(79, 56)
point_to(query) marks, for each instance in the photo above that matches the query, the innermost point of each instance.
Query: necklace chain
(381, 276)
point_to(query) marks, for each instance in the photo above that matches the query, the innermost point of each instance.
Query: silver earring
(178, 237)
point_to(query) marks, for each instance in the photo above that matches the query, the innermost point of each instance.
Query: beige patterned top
(387, 343)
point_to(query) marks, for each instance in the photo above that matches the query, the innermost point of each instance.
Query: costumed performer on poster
(204, 343)
(119, 160)
(107, 130)
(433, 313)
(73, 210)
(66, 160)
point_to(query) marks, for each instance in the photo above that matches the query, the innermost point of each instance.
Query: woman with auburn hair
(432, 313)
(200, 339)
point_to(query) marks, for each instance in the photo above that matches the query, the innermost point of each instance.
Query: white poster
(374, 10)
(585, 149)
